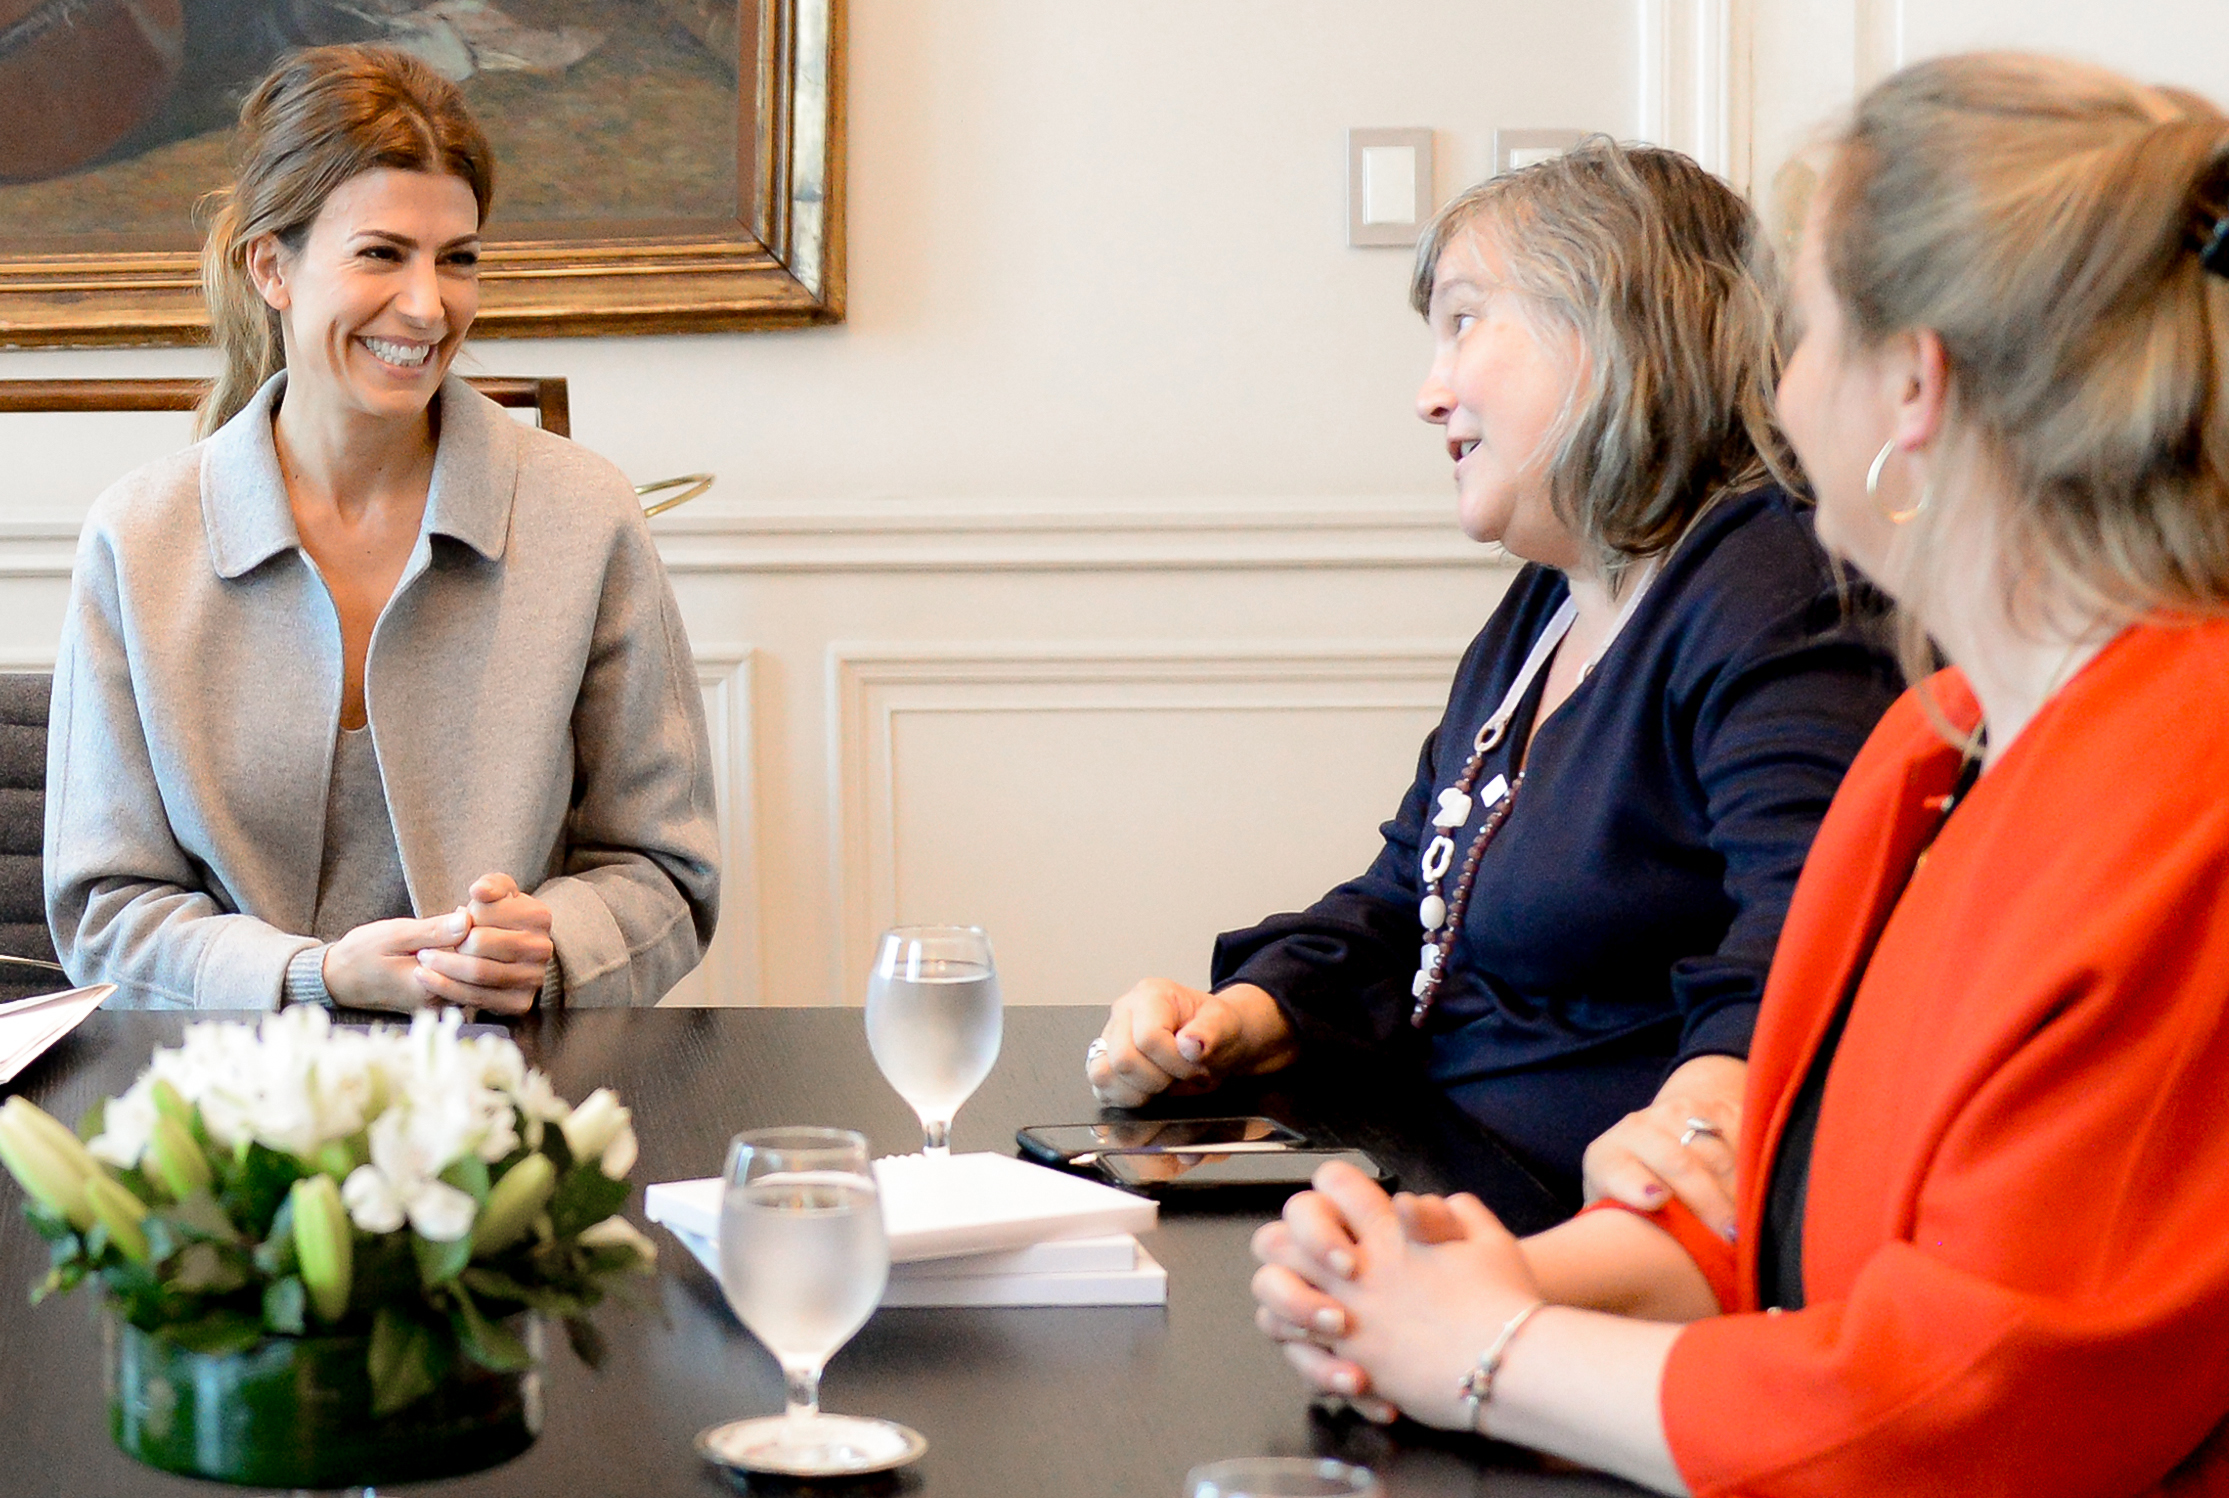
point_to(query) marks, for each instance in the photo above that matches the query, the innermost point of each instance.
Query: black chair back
(24, 696)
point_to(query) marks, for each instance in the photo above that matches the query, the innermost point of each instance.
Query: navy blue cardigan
(1624, 917)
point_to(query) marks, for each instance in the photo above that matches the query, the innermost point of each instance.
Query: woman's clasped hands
(1388, 1300)
(489, 953)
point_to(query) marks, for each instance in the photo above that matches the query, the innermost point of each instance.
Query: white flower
(618, 1232)
(416, 1100)
(371, 1200)
(127, 1126)
(603, 1131)
(619, 1155)
(441, 1213)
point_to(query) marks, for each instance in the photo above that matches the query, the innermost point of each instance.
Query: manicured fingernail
(1341, 1262)
(1189, 1047)
(1726, 1231)
(1652, 1193)
(1330, 1322)
(1346, 1383)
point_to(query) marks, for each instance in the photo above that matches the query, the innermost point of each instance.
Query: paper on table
(29, 1026)
(935, 1207)
(1140, 1281)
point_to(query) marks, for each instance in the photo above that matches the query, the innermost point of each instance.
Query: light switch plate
(1517, 149)
(1389, 185)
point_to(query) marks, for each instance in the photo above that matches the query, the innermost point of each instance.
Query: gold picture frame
(778, 264)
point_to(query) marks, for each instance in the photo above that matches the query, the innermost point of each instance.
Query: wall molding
(1210, 534)
(1695, 88)
(733, 970)
(872, 685)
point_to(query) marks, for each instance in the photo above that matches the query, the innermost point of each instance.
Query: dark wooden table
(1016, 1403)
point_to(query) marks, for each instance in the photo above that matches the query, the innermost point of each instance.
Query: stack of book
(975, 1230)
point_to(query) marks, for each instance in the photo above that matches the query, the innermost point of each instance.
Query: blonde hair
(1659, 269)
(2043, 218)
(322, 117)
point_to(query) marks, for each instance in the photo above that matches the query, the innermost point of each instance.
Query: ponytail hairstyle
(1661, 271)
(2049, 221)
(322, 117)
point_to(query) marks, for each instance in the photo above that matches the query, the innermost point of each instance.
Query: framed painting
(662, 165)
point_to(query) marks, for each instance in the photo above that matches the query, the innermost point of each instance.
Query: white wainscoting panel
(730, 972)
(1104, 811)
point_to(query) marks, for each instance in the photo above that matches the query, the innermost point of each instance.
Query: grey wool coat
(531, 694)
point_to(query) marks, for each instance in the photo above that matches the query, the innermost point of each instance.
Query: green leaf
(481, 1340)
(94, 1123)
(52, 1226)
(198, 1216)
(206, 1269)
(275, 1255)
(256, 1187)
(60, 1280)
(408, 1359)
(585, 1196)
(587, 1342)
(440, 1263)
(219, 1331)
(284, 1303)
(492, 1285)
(386, 1273)
(469, 1175)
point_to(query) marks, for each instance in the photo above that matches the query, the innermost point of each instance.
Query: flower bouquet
(326, 1251)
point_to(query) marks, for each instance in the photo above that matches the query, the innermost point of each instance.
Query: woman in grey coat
(373, 697)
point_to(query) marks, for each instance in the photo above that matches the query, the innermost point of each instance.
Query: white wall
(1810, 58)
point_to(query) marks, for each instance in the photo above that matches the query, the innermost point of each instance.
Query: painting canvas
(662, 163)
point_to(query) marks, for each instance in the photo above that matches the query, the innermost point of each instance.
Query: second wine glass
(934, 1020)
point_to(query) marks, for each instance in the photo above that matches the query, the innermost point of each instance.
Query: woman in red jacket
(1979, 1245)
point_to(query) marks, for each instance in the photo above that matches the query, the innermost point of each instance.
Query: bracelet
(1477, 1386)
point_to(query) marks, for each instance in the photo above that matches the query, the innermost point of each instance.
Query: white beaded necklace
(1442, 915)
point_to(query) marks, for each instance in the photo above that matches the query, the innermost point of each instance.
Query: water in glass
(803, 1258)
(934, 1020)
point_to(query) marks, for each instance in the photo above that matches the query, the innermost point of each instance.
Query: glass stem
(804, 1392)
(936, 1136)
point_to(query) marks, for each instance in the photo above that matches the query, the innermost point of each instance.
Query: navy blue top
(1624, 917)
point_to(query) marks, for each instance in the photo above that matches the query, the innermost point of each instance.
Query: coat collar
(243, 496)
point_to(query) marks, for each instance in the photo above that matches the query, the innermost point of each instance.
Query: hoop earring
(1873, 488)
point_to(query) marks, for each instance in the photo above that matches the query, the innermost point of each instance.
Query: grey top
(532, 700)
(361, 878)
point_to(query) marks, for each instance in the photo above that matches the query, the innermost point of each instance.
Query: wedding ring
(1095, 1052)
(1696, 1126)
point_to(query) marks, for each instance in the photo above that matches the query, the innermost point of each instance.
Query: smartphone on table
(1275, 1172)
(1082, 1144)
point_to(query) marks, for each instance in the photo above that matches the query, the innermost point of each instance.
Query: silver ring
(1696, 1126)
(1096, 1051)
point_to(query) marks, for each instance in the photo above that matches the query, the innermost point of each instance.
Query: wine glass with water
(934, 1020)
(803, 1259)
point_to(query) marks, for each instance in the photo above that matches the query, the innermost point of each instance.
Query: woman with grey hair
(1576, 903)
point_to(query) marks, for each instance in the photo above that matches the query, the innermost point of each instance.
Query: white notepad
(937, 1207)
(1122, 1273)
(29, 1026)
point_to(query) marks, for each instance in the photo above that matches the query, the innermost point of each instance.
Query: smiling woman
(275, 772)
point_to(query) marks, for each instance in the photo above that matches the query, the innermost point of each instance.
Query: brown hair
(1659, 268)
(322, 116)
(2043, 217)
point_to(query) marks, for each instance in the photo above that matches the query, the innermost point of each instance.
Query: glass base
(819, 1446)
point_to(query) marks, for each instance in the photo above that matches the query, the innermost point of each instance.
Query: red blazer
(2016, 1248)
